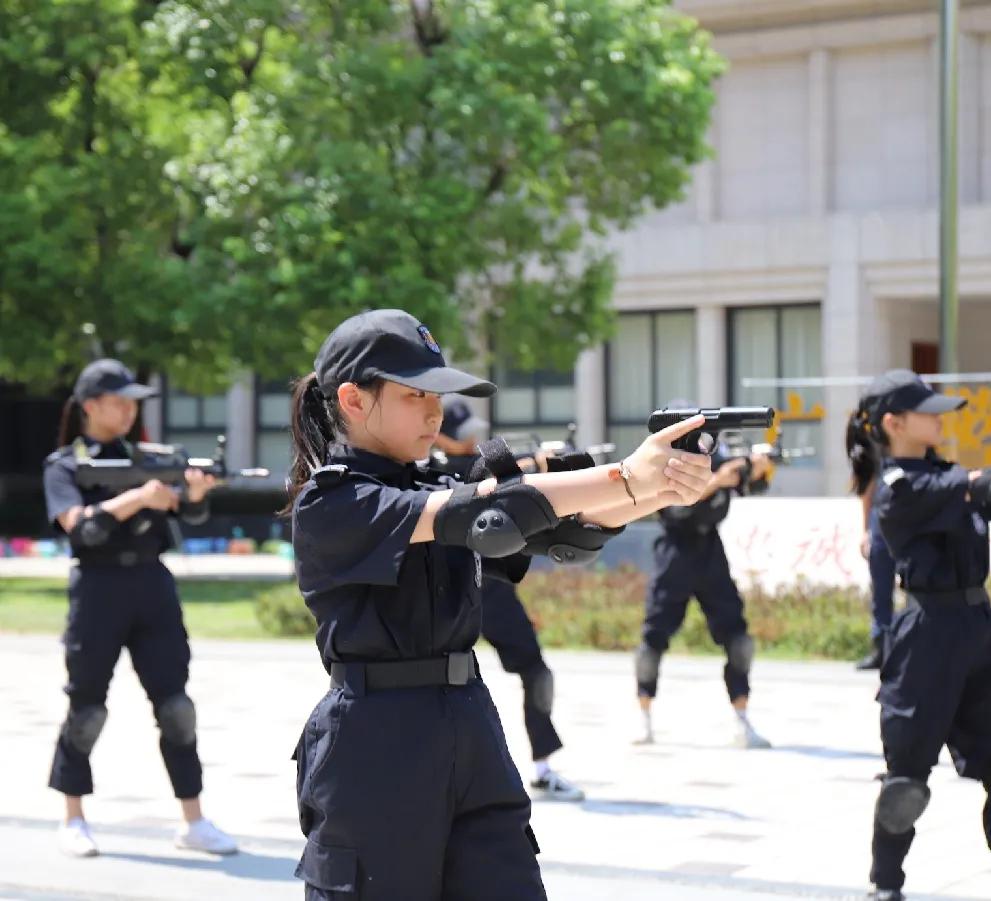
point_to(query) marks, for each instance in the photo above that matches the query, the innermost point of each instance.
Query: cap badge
(428, 339)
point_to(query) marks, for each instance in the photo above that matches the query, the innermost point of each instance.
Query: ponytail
(862, 447)
(316, 424)
(71, 424)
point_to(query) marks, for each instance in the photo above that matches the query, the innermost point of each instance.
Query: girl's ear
(350, 402)
(89, 405)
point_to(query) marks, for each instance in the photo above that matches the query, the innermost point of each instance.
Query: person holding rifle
(505, 624)
(122, 596)
(689, 559)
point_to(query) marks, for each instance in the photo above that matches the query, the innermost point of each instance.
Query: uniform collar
(95, 448)
(360, 460)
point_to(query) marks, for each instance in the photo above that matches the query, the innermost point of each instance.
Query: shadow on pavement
(243, 865)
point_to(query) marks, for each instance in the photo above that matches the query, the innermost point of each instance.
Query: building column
(711, 356)
(152, 413)
(241, 422)
(845, 338)
(819, 187)
(590, 396)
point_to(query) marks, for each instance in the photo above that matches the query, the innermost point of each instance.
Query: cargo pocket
(532, 839)
(305, 812)
(329, 868)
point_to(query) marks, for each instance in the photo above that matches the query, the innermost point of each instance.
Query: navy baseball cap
(903, 391)
(390, 345)
(109, 377)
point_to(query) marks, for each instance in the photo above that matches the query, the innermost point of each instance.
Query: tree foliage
(217, 184)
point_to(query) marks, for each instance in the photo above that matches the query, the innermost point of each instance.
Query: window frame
(166, 390)
(656, 402)
(732, 382)
(537, 380)
(262, 386)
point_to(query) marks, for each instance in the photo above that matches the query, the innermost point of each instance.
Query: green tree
(216, 184)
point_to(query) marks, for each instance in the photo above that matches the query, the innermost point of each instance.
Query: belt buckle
(460, 668)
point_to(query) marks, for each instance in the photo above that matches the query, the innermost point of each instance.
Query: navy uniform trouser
(508, 629)
(411, 794)
(882, 569)
(111, 608)
(687, 566)
(935, 691)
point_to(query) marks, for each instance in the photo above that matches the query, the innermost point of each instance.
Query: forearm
(623, 514)
(579, 491)
(125, 505)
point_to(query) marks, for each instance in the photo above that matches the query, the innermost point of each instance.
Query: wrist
(621, 472)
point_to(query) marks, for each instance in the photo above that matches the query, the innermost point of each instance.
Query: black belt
(117, 558)
(972, 597)
(452, 669)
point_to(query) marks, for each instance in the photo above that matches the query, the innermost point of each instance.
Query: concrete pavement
(688, 818)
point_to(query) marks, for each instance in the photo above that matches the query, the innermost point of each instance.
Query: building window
(272, 425)
(193, 420)
(650, 362)
(778, 343)
(540, 401)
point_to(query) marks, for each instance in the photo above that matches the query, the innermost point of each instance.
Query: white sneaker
(747, 736)
(204, 836)
(75, 839)
(554, 787)
(645, 734)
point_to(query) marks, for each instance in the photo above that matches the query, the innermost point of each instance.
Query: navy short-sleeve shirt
(937, 535)
(146, 533)
(375, 596)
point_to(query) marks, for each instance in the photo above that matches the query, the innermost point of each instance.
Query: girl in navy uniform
(405, 786)
(936, 674)
(690, 560)
(121, 595)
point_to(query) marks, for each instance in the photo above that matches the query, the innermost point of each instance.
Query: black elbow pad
(195, 514)
(93, 529)
(496, 525)
(571, 541)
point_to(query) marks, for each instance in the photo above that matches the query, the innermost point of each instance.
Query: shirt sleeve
(357, 531)
(911, 503)
(61, 491)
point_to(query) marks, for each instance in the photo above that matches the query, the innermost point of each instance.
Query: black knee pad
(740, 653)
(177, 719)
(538, 689)
(648, 664)
(901, 802)
(83, 727)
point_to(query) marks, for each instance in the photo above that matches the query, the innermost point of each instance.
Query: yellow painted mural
(968, 431)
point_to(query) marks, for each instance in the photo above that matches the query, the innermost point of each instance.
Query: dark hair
(71, 423)
(865, 439)
(316, 424)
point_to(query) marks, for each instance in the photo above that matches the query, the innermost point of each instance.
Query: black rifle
(717, 419)
(167, 463)
(735, 446)
(528, 444)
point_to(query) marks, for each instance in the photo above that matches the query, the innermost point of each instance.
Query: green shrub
(282, 611)
(603, 608)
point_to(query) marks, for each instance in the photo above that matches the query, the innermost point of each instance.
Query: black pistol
(717, 419)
